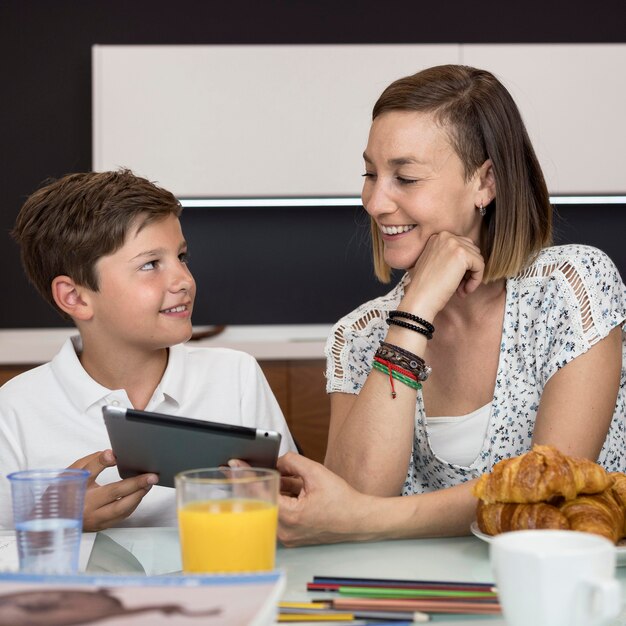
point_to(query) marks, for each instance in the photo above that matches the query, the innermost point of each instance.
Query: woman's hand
(106, 505)
(449, 264)
(321, 507)
(327, 510)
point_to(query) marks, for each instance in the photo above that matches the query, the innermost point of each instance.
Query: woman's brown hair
(483, 122)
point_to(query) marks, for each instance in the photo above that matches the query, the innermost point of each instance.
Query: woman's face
(415, 185)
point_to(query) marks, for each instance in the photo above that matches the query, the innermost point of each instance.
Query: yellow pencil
(312, 617)
(303, 605)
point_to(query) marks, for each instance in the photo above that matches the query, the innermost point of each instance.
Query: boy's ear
(72, 298)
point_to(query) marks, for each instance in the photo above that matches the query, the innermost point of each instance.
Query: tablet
(167, 444)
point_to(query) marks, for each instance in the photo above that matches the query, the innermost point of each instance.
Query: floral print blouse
(568, 299)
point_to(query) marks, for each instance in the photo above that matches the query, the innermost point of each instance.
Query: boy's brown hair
(483, 122)
(67, 225)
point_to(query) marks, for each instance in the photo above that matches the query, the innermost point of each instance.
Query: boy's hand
(106, 505)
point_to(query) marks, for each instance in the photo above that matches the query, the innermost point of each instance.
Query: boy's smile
(146, 291)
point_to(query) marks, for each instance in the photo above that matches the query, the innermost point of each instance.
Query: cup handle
(605, 601)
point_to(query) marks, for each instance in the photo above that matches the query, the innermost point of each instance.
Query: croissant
(501, 517)
(600, 514)
(619, 491)
(619, 487)
(539, 475)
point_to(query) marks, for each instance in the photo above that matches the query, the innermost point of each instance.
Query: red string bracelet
(405, 376)
(393, 366)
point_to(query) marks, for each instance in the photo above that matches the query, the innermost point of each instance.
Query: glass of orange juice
(227, 519)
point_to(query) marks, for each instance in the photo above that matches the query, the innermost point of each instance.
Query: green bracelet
(397, 375)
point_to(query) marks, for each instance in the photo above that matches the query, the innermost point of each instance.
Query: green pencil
(386, 592)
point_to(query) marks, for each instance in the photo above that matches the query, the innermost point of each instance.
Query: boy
(107, 251)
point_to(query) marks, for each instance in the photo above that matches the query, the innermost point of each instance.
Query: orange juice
(230, 535)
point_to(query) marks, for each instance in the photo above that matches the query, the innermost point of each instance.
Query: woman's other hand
(321, 507)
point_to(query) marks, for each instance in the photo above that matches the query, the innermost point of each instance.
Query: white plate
(620, 548)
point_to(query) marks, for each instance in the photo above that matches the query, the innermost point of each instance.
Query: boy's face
(146, 291)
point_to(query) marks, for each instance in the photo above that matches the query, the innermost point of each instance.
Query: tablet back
(167, 444)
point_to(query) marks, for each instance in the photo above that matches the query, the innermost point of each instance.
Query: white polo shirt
(51, 416)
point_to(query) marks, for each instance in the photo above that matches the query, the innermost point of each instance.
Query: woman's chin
(403, 263)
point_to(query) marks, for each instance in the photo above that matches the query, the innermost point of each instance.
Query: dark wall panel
(266, 266)
(602, 226)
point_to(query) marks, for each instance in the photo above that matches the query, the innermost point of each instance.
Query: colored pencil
(295, 604)
(427, 606)
(386, 592)
(305, 619)
(313, 617)
(413, 617)
(372, 596)
(320, 607)
(359, 622)
(399, 583)
(385, 623)
(335, 587)
(386, 617)
(390, 616)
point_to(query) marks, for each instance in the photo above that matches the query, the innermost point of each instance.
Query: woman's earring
(482, 210)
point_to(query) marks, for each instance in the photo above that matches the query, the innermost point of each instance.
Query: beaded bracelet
(414, 318)
(405, 359)
(413, 327)
(392, 372)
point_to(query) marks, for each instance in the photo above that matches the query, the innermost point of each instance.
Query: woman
(524, 341)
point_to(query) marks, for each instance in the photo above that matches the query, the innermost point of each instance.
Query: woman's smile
(393, 231)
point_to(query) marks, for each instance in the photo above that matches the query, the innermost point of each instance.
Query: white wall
(573, 100)
(293, 120)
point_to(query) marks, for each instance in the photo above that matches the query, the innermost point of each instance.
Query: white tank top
(458, 440)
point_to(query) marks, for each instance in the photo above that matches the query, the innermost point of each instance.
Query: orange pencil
(427, 606)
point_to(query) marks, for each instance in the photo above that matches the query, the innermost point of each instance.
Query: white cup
(555, 578)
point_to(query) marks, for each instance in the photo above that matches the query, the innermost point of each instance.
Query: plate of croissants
(545, 488)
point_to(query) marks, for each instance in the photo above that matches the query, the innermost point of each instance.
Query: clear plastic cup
(48, 517)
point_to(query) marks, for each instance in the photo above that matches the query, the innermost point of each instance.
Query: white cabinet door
(573, 100)
(245, 120)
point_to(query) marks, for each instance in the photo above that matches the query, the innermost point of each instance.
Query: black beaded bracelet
(414, 318)
(413, 327)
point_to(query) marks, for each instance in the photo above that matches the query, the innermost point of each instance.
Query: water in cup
(48, 545)
(48, 517)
